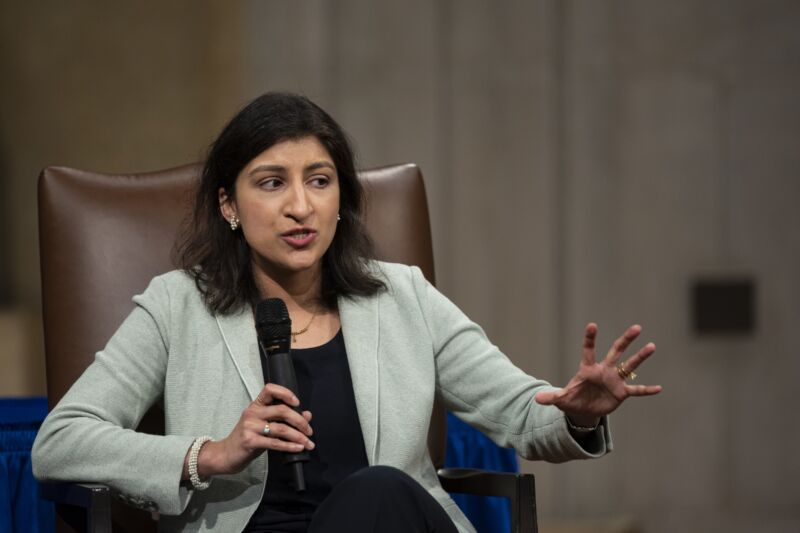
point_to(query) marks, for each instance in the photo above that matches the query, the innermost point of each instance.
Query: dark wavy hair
(219, 259)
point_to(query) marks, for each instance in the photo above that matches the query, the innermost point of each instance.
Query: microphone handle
(281, 372)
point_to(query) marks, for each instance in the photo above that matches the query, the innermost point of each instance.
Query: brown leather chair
(103, 237)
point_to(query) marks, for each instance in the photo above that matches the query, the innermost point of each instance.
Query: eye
(270, 183)
(319, 181)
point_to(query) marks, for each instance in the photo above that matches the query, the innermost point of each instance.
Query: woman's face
(287, 202)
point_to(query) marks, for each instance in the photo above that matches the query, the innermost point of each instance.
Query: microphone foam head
(272, 319)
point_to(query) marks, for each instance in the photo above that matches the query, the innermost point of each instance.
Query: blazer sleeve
(90, 435)
(480, 385)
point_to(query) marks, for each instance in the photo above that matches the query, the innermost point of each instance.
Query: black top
(326, 389)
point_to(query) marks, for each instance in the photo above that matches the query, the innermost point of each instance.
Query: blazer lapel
(239, 335)
(360, 324)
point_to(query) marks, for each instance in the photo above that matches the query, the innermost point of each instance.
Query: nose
(298, 205)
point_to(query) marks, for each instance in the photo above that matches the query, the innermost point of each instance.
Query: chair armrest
(78, 494)
(519, 488)
(93, 498)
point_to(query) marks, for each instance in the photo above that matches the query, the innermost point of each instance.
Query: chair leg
(523, 507)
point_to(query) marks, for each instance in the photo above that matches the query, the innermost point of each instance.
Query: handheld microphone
(274, 331)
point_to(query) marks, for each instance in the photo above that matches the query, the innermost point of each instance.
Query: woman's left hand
(600, 387)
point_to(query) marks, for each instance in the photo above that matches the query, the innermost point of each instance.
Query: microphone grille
(272, 318)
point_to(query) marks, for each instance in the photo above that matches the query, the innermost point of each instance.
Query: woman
(278, 215)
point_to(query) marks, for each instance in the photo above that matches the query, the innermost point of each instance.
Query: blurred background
(609, 161)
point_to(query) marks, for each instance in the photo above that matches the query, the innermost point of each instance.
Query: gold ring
(624, 373)
(265, 431)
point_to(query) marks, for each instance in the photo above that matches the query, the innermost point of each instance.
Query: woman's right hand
(289, 431)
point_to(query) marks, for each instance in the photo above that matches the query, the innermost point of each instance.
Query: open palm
(598, 388)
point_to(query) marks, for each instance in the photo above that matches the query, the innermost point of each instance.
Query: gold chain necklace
(296, 333)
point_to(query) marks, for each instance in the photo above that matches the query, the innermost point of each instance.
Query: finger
(622, 343)
(588, 343)
(281, 413)
(283, 432)
(269, 443)
(264, 397)
(639, 357)
(289, 416)
(642, 390)
(307, 415)
(272, 392)
(548, 397)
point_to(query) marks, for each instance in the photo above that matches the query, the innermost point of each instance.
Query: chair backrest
(102, 237)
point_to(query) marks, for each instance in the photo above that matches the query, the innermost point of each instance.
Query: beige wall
(102, 86)
(585, 161)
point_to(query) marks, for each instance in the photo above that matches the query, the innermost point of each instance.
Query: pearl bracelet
(194, 477)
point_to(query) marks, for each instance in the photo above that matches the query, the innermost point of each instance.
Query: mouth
(299, 237)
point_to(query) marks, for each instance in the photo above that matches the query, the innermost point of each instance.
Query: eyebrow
(281, 168)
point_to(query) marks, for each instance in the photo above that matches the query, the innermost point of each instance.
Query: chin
(303, 266)
(293, 263)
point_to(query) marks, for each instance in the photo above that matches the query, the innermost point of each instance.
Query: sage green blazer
(404, 346)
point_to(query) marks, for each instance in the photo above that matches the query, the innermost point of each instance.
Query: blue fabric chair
(21, 508)
(469, 448)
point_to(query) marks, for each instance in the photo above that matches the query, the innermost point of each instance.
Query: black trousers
(380, 499)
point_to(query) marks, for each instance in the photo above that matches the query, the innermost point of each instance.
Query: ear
(227, 205)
